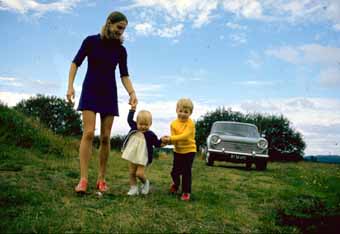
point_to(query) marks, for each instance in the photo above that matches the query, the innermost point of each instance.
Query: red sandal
(82, 186)
(101, 186)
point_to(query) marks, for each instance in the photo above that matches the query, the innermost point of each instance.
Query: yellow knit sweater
(183, 136)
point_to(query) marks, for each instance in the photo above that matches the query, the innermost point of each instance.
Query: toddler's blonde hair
(144, 115)
(185, 103)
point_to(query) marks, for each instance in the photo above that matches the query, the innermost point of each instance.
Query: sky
(266, 56)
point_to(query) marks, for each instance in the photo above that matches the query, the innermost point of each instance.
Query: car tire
(261, 164)
(209, 159)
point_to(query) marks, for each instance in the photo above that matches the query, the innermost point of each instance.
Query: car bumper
(229, 153)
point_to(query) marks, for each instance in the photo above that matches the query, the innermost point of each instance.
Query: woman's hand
(133, 101)
(70, 95)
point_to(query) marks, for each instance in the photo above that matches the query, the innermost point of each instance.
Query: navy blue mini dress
(99, 91)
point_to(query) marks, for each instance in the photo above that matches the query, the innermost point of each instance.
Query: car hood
(239, 139)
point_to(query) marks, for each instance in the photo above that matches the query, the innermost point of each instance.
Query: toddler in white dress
(138, 149)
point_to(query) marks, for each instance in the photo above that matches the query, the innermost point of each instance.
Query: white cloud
(254, 60)
(25, 6)
(145, 90)
(314, 53)
(330, 77)
(197, 11)
(328, 58)
(11, 99)
(244, 8)
(147, 29)
(144, 28)
(202, 12)
(236, 26)
(286, 53)
(19, 85)
(332, 10)
(254, 83)
(170, 32)
(10, 79)
(336, 27)
(238, 39)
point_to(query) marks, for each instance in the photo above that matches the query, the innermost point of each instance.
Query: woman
(99, 92)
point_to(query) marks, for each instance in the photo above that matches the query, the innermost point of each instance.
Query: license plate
(236, 156)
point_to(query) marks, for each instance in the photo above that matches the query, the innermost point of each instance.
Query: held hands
(133, 101)
(133, 106)
(165, 140)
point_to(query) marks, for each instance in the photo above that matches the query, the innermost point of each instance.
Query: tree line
(285, 142)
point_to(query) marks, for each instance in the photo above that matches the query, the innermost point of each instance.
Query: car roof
(234, 122)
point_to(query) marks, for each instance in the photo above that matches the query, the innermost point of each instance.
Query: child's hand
(133, 106)
(165, 139)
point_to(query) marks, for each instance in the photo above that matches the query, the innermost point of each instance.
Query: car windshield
(235, 129)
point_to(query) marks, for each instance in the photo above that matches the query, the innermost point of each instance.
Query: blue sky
(266, 56)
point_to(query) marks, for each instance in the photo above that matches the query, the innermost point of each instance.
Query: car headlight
(215, 139)
(262, 144)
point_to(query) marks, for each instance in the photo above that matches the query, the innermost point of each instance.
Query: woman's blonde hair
(144, 115)
(114, 17)
(185, 103)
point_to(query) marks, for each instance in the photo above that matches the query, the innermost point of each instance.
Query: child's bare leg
(140, 173)
(132, 174)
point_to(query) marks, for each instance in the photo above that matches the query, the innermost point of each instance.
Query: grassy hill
(39, 170)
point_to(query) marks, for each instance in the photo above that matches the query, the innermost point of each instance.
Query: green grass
(36, 194)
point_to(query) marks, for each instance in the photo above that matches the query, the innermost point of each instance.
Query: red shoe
(101, 186)
(173, 188)
(82, 186)
(185, 197)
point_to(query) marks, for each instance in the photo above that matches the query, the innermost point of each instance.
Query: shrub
(55, 113)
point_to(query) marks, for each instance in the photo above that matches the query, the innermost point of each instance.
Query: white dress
(136, 150)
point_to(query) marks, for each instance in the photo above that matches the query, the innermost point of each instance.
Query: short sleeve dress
(99, 91)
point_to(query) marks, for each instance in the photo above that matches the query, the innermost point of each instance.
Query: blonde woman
(104, 52)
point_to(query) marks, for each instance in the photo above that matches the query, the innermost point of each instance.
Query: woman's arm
(70, 95)
(133, 101)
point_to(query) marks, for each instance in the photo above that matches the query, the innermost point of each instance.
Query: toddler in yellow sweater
(183, 139)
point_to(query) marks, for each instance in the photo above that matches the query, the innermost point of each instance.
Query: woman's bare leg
(85, 149)
(104, 148)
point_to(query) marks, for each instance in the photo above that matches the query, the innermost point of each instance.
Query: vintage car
(236, 142)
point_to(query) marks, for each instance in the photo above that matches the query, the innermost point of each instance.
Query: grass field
(38, 172)
(37, 196)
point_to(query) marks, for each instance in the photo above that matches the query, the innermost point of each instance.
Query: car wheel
(209, 159)
(261, 164)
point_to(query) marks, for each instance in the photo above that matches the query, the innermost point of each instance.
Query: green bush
(55, 113)
(116, 142)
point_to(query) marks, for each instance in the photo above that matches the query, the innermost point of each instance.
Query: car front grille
(238, 147)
